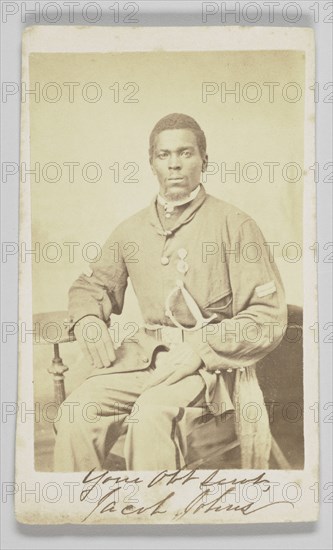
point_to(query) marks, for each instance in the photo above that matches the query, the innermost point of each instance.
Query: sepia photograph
(167, 244)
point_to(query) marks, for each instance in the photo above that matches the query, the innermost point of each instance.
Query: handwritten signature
(204, 501)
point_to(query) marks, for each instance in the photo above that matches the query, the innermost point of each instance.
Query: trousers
(91, 419)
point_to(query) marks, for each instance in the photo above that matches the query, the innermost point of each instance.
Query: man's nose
(174, 161)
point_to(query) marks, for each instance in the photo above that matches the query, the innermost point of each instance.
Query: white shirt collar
(170, 205)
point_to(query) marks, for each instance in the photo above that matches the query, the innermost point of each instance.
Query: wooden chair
(212, 440)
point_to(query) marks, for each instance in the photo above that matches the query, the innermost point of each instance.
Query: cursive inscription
(212, 494)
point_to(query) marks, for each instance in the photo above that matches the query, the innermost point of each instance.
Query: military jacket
(218, 253)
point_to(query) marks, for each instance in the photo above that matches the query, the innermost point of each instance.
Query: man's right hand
(95, 341)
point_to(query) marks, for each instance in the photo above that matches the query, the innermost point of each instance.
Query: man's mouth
(176, 178)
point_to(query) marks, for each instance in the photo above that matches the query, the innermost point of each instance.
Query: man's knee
(81, 409)
(74, 415)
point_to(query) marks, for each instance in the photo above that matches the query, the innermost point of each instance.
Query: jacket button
(217, 371)
(164, 260)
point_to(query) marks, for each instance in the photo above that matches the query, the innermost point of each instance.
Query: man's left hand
(174, 365)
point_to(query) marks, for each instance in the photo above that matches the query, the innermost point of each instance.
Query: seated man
(209, 311)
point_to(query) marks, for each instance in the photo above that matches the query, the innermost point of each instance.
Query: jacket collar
(186, 216)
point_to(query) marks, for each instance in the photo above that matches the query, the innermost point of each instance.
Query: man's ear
(204, 163)
(152, 168)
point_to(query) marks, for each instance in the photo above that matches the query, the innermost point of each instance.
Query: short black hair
(178, 121)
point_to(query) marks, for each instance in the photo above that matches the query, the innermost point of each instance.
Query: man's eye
(186, 154)
(162, 155)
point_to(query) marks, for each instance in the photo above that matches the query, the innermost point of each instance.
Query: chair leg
(57, 369)
(278, 455)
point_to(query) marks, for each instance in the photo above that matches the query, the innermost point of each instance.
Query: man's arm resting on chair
(95, 294)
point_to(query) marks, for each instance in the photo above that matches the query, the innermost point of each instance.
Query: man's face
(177, 163)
